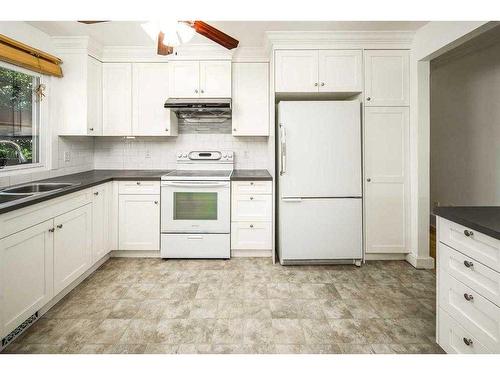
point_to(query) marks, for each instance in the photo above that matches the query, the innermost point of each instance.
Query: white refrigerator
(320, 193)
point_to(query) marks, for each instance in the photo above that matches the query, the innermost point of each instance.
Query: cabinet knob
(166, 129)
(251, 198)
(59, 226)
(234, 129)
(156, 202)
(315, 84)
(96, 193)
(91, 129)
(468, 233)
(51, 230)
(251, 225)
(368, 99)
(196, 91)
(467, 341)
(468, 297)
(251, 183)
(368, 179)
(468, 264)
(202, 91)
(138, 182)
(322, 83)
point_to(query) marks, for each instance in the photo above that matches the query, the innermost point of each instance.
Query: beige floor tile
(203, 308)
(287, 331)
(228, 331)
(109, 331)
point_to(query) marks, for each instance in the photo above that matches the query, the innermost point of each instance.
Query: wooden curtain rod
(32, 51)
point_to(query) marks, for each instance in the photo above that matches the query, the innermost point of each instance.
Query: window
(19, 118)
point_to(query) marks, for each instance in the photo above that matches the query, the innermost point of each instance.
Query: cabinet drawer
(475, 313)
(252, 187)
(139, 187)
(251, 235)
(195, 246)
(476, 245)
(252, 207)
(480, 278)
(453, 338)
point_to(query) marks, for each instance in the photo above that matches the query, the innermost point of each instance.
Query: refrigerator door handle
(297, 200)
(283, 150)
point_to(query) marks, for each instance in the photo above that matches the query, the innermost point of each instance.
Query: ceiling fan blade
(162, 48)
(214, 34)
(91, 22)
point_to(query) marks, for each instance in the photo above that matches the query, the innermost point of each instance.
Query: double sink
(28, 190)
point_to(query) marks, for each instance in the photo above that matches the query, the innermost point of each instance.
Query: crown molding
(77, 44)
(340, 39)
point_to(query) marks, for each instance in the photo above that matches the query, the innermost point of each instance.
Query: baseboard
(135, 254)
(251, 253)
(71, 286)
(420, 262)
(385, 256)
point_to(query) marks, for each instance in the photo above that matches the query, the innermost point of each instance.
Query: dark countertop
(485, 220)
(251, 174)
(83, 180)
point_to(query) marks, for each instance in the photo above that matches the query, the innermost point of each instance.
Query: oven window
(195, 206)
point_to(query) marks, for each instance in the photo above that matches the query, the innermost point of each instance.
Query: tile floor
(240, 306)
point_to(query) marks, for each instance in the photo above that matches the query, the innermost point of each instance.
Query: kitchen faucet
(20, 156)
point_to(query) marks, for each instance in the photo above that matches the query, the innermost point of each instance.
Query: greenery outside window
(19, 118)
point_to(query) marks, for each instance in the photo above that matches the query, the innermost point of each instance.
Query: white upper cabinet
(117, 99)
(150, 90)
(318, 71)
(195, 79)
(184, 79)
(250, 99)
(94, 96)
(340, 71)
(215, 79)
(387, 78)
(296, 71)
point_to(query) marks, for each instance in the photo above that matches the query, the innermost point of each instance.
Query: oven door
(195, 207)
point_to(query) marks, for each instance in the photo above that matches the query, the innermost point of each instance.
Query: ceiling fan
(166, 43)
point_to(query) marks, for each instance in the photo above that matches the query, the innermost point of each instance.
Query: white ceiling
(249, 33)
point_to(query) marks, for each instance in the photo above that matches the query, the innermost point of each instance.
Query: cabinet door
(296, 71)
(215, 79)
(250, 99)
(340, 71)
(139, 222)
(150, 90)
(72, 246)
(25, 274)
(100, 220)
(184, 79)
(386, 179)
(94, 96)
(117, 98)
(251, 235)
(387, 78)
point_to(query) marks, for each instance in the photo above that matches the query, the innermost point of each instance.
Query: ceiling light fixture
(174, 32)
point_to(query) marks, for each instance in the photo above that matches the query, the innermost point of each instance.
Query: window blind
(22, 55)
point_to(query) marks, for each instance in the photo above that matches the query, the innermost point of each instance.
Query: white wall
(119, 153)
(81, 149)
(465, 129)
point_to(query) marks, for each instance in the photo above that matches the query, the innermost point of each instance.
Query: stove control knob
(179, 156)
(230, 156)
(224, 155)
(184, 156)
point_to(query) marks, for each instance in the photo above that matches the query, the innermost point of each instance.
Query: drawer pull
(251, 225)
(468, 264)
(96, 193)
(468, 233)
(138, 182)
(251, 183)
(251, 198)
(467, 341)
(60, 226)
(468, 297)
(51, 230)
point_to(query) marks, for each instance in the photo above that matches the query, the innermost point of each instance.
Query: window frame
(42, 130)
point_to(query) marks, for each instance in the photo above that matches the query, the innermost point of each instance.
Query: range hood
(200, 110)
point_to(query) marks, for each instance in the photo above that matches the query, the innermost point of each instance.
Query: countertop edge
(448, 214)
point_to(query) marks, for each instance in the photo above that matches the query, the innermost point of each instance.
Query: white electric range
(196, 206)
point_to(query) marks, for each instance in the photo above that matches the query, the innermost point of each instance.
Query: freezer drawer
(195, 245)
(320, 229)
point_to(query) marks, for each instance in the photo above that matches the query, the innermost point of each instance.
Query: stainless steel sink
(35, 188)
(6, 198)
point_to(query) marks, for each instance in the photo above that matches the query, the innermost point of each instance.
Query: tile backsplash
(161, 153)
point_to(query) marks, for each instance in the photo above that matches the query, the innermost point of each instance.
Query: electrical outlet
(67, 156)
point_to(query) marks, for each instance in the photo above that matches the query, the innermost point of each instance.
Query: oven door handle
(195, 184)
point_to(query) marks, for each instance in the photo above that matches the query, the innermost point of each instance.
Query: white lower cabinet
(251, 215)
(72, 246)
(139, 222)
(100, 219)
(26, 261)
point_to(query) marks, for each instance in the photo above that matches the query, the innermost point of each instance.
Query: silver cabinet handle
(166, 129)
(368, 179)
(251, 225)
(138, 182)
(251, 198)
(468, 233)
(322, 83)
(96, 193)
(156, 202)
(315, 84)
(51, 230)
(91, 129)
(468, 297)
(467, 341)
(234, 129)
(283, 150)
(202, 91)
(60, 226)
(251, 183)
(196, 91)
(468, 264)
(368, 99)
